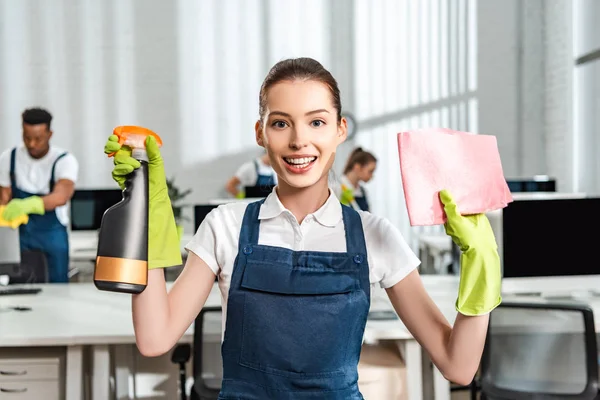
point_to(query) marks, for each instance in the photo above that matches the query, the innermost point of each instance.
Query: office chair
(181, 355)
(33, 268)
(540, 351)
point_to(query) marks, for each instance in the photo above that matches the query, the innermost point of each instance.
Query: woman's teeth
(300, 162)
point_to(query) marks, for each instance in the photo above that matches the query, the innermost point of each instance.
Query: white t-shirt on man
(33, 175)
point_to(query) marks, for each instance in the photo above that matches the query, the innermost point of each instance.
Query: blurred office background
(525, 71)
(191, 70)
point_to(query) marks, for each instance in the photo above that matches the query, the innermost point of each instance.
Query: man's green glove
(480, 274)
(18, 207)
(163, 240)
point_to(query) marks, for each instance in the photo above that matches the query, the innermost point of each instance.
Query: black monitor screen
(200, 212)
(519, 186)
(550, 237)
(88, 207)
(258, 191)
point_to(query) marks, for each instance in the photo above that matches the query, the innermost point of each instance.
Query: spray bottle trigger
(134, 136)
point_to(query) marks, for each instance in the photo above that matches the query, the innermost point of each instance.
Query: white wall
(191, 70)
(586, 109)
(498, 78)
(558, 45)
(525, 85)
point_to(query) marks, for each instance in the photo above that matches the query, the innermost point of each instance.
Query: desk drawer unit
(29, 373)
(26, 371)
(30, 390)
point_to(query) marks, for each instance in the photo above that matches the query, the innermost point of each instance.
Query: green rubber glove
(18, 207)
(163, 240)
(124, 163)
(347, 196)
(480, 274)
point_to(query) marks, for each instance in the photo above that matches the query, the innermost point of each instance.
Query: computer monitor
(200, 212)
(88, 207)
(496, 221)
(258, 192)
(538, 183)
(550, 237)
(10, 251)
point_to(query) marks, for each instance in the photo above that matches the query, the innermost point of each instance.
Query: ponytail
(360, 157)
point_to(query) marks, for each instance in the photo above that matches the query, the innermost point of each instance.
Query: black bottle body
(122, 258)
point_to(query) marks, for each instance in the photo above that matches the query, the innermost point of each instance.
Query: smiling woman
(295, 270)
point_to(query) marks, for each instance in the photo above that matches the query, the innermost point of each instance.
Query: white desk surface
(78, 313)
(84, 245)
(71, 314)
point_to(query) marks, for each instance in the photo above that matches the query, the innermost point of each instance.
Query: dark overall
(263, 180)
(44, 232)
(361, 201)
(295, 319)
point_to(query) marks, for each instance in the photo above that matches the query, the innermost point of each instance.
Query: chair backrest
(33, 268)
(200, 387)
(542, 349)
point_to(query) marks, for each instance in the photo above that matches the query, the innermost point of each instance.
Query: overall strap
(250, 225)
(355, 237)
(13, 180)
(52, 173)
(365, 198)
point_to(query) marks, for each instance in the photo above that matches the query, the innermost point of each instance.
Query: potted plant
(176, 196)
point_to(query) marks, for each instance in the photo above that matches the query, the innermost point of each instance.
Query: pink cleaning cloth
(466, 164)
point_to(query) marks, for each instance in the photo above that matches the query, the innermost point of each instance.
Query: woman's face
(300, 131)
(365, 172)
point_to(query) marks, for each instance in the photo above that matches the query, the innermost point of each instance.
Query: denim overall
(44, 232)
(263, 180)
(295, 319)
(361, 201)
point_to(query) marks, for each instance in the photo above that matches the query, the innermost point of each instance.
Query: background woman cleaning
(359, 168)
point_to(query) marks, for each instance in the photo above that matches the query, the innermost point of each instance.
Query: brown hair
(360, 157)
(303, 69)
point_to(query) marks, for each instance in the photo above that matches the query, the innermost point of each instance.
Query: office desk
(75, 316)
(554, 289)
(78, 316)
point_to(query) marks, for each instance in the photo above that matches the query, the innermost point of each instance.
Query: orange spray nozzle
(134, 136)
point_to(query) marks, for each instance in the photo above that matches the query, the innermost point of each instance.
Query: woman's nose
(299, 138)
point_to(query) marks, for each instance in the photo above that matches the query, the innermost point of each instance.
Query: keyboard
(8, 290)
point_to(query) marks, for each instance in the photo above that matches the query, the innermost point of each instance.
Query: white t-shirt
(390, 258)
(33, 175)
(246, 173)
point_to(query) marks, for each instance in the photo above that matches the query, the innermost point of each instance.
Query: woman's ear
(342, 130)
(259, 133)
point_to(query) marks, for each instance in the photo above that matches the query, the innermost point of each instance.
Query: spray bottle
(122, 257)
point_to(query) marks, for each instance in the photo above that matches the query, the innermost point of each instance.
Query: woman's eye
(279, 124)
(317, 123)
